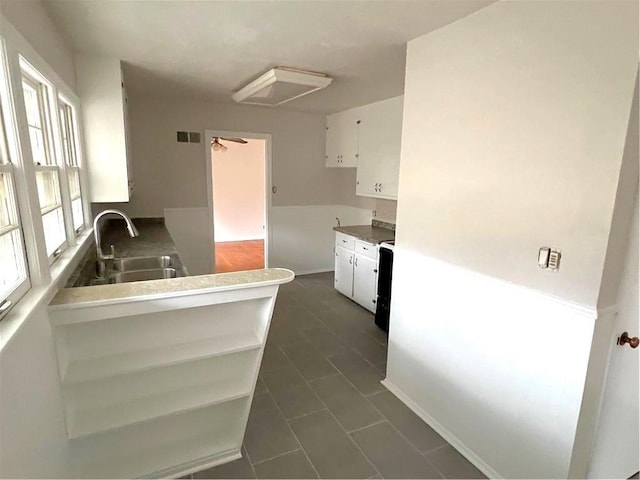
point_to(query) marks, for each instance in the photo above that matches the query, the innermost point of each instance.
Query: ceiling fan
(219, 147)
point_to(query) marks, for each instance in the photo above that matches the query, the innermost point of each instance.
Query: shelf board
(86, 421)
(89, 369)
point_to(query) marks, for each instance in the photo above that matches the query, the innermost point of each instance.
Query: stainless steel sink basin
(140, 275)
(142, 263)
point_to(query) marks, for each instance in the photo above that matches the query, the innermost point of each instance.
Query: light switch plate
(543, 257)
(554, 259)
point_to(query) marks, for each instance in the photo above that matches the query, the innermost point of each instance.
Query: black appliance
(383, 302)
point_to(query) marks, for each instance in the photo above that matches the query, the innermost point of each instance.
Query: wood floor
(237, 256)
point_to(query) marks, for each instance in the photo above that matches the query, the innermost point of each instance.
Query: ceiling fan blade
(235, 139)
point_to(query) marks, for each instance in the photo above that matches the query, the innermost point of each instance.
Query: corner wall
(514, 128)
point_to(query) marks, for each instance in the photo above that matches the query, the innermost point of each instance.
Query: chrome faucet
(131, 228)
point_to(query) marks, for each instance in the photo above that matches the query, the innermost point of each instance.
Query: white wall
(31, 19)
(169, 174)
(239, 191)
(302, 238)
(189, 230)
(627, 183)
(297, 154)
(514, 128)
(512, 141)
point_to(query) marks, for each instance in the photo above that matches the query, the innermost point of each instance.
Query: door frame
(210, 133)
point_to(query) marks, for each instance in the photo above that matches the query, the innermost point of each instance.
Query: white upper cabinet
(104, 112)
(379, 136)
(342, 139)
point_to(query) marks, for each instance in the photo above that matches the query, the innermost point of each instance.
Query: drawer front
(367, 249)
(345, 241)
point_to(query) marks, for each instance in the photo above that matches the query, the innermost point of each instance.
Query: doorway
(238, 177)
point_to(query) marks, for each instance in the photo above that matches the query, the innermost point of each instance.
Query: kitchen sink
(143, 263)
(140, 275)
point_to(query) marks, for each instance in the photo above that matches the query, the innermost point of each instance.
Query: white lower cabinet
(344, 271)
(365, 275)
(356, 273)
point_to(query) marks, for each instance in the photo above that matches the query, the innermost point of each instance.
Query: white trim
(582, 309)
(40, 295)
(442, 431)
(312, 271)
(197, 465)
(208, 134)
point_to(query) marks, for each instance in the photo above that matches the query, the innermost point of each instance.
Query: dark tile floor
(320, 411)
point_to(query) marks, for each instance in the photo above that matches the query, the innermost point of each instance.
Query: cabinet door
(379, 148)
(364, 281)
(389, 163)
(332, 141)
(343, 275)
(349, 138)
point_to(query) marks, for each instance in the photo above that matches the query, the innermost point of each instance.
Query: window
(37, 102)
(67, 120)
(14, 280)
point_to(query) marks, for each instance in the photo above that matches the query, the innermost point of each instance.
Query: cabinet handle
(373, 301)
(375, 270)
(350, 260)
(365, 248)
(356, 261)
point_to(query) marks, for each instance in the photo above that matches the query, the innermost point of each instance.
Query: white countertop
(114, 293)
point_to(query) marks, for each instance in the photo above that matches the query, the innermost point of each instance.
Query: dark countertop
(153, 239)
(368, 233)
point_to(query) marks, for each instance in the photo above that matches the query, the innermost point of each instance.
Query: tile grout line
(366, 397)
(367, 426)
(276, 456)
(246, 452)
(407, 439)
(287, 422)
(337, 421)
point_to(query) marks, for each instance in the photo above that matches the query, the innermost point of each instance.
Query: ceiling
(210, 49)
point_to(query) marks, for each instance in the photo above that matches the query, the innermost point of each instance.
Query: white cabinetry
(158, 385)
(342, 139)
(104, 112)
(356, 270)
(344, 271)
(365, 283)
(379, 138)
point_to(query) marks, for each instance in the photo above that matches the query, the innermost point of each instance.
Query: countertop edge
(71, 298)
(352, 230)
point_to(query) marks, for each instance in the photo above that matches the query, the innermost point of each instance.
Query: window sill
(40, 295)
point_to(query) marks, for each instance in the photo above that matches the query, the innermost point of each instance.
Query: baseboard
(312, 271)
(197, 465)
(442, 431)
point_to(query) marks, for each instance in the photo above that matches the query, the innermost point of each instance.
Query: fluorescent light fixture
(280, 85)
